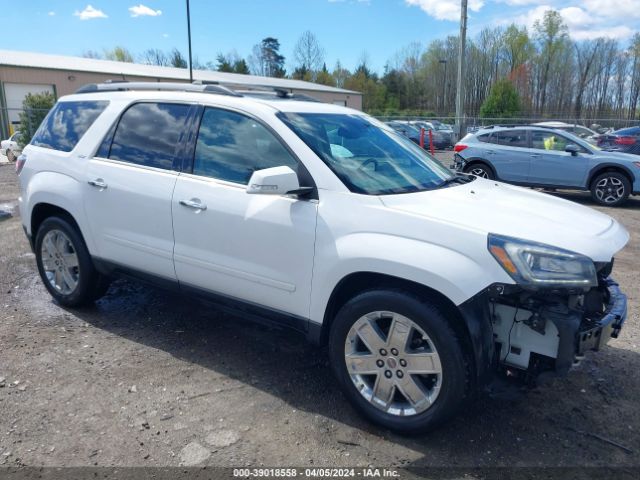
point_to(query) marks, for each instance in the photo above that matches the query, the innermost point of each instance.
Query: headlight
(539, 265)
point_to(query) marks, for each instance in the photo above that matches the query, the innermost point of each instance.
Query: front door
(551, 165)
(258, 248)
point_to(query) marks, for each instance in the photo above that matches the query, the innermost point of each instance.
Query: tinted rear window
(511, 138)
(148, 134)
(66, 123)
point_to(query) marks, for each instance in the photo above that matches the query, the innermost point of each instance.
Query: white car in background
(10, 147)
(580, 131)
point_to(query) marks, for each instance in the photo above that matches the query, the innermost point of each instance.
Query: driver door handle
(193, 203)
(98, 183)
(535, 155)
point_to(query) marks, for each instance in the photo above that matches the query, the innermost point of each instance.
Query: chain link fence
(472, 123)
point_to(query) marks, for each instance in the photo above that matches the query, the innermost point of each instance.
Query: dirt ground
(144, 378)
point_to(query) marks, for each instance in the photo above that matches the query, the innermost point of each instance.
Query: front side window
(552, 141)
(148, 134)
(367, 157)
(511, 138)
(66, 123)
(232, 146)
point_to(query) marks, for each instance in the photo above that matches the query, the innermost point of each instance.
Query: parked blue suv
(548, 158)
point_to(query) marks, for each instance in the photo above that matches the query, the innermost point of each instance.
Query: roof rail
(278, 92)
(123, 86)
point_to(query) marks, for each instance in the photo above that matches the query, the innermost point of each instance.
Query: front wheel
(398, 360)
(611, 189)
(65, 265)
(480, 170)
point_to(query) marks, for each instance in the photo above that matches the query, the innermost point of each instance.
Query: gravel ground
(144, 378)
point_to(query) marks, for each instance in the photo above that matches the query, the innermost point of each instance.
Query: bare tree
(308, 55)
(155, 56)
(586, 55)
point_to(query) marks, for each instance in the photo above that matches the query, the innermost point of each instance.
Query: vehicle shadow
(549, 426)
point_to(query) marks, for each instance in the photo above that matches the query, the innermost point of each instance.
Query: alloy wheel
(393, 363)
(60, 262)
(609, 190)
(479, 172)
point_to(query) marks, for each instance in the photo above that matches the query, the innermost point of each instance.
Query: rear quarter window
(66, 123)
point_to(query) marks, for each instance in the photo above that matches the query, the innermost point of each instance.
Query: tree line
(542, 70)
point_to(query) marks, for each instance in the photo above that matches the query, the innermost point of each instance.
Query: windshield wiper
(457, 178)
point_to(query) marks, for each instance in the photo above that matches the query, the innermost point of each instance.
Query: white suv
(426, 285)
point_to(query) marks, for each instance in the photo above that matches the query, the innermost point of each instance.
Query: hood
(494, 207)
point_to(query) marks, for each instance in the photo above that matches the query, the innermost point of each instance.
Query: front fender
(60, 190)
(451, 273)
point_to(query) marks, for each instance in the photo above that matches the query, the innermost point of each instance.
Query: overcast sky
(345, 28)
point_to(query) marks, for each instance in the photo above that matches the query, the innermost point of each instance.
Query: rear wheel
(398, 360)
(65, 265)
(480, 170)
(611, 189)
(11, 156)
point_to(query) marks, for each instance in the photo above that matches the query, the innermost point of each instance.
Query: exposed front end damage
(536, 331)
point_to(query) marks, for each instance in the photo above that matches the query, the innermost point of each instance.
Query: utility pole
(189, 37)
(460, 89)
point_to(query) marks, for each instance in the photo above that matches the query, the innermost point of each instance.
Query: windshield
(368, 157)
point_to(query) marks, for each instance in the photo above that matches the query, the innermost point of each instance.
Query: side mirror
(572, 149)
(274, 181)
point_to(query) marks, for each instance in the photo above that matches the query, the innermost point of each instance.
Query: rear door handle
(535, 155)
(193, 203)
(491, 152)
(98, 183)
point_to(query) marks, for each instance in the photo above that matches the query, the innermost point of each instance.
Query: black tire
(481, 170)
(610, 189)
(11, 156)
(455, 384)
(91, 285)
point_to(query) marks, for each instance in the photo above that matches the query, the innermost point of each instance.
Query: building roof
(81, 64)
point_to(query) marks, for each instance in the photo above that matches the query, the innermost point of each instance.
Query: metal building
(27, 72)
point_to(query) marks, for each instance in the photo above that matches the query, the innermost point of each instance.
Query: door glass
(148, 134)
(511, 138)
(232, 146)
(549, 141)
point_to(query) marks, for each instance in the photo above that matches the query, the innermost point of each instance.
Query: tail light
(458, 147)
(625, 140)
(21, 160)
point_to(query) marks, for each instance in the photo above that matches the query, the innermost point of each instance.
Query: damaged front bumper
(536, 332)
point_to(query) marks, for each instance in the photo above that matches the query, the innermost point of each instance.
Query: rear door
(507, 152)
(551, 165)
(129, 184)
(256, 248)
